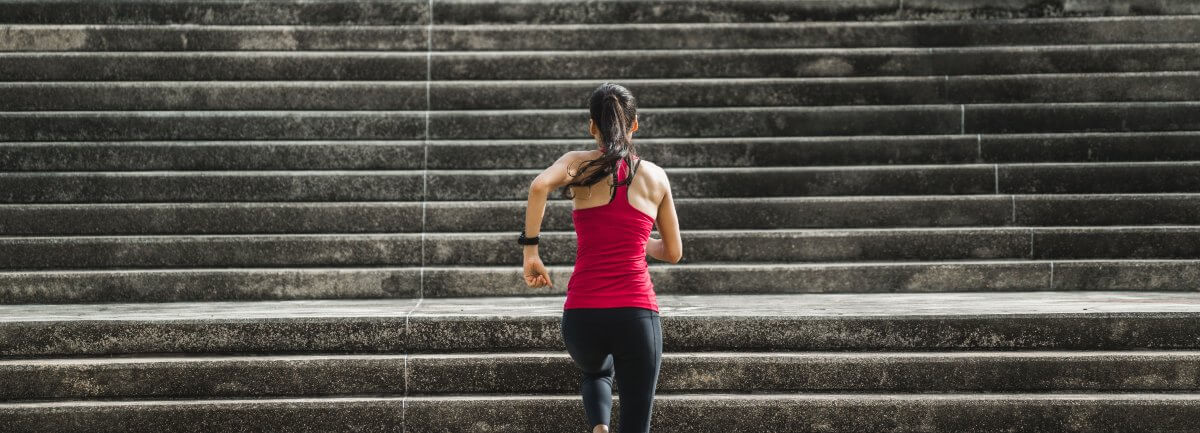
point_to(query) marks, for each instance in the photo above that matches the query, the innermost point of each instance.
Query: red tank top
(610, 256)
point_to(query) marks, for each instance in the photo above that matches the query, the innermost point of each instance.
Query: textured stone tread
(695, 214)
(666, 152)
(705, 246)
(200, 376)
(643, 36)
(588, 64)
(351, 282)
(540, 94)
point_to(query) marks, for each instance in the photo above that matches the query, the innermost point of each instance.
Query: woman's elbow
(675, 256)
(539, 187)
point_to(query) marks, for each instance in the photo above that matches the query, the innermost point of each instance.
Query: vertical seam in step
(979, 147)
(424, 208)
(407, 340)
(425, 142)
(404, 398)
(996, 177)
(1014, 209)
(1051, 286)
(962, 118)
(1031, 244)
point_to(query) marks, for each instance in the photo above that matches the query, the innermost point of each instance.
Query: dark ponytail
(613, 109)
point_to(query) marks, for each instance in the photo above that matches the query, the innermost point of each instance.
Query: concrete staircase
(919, 215)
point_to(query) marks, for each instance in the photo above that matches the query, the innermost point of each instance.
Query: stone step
(540, 94)
(215, 12)
(703, 246)
(555, 12)
(461, 185)
(666, 152)
(694, 214)
(583, 11)
(407, 185)
(673, 413)
(555, 373)
(564, 123)
(249, 284)
(658, 36)
(792, 322)
(527, 65)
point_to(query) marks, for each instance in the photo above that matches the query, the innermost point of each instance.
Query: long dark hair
(613, 108)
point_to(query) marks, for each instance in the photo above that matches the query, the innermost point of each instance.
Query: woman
(610, 320)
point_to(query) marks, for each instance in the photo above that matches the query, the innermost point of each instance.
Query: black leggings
(628, 339)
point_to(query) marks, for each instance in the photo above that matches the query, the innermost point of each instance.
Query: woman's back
(610, 261)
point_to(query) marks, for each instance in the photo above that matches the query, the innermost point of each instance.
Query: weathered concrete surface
(704, 246)
(550, 12)
(210, 12)
(504, 154)
(452, 185)
(209, 186)
(1081, 117)
(282, 283)
(673, 413)
(744, 182)
(536, 94)
(695, 152)
(1094, 178)
(551, 372)
(813, 34)
(803, 62)
(1106, 209)
(170, 251)
(167, 37)
(1090, 147)
(507, 37)
(212, 218)
(566, 123)
(500, 216)
(211, 125)
(903, 211)
(591, 64)
(198, 284)
(775, 322)
(212, 155)
(212, 65)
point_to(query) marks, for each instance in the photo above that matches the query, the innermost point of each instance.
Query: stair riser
(209, 12)
(702, 247)
(285, 284)
(446, 334)
(558, 94)
(694, 214)
(766, 11)
(510, 154)
(209, 187)
(111, 187)
(653, 123)
(844, 413)
(410, 185)
(545, 374)
(467, 12)
(789, 63)
(1146, 29)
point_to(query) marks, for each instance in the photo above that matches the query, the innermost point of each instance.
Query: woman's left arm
(550, 179)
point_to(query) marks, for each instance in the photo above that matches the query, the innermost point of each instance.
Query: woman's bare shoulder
(653, 172)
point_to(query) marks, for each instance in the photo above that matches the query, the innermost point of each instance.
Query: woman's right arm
(670, 247)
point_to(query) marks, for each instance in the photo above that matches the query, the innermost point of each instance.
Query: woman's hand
(536, 274)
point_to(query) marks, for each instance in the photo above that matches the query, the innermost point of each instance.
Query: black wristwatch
(527, 241)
